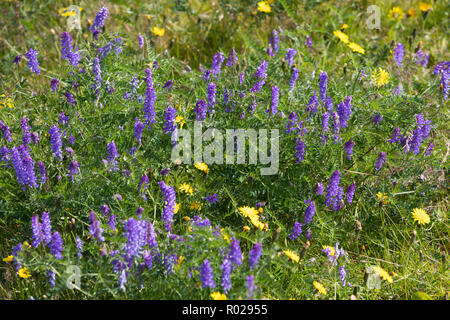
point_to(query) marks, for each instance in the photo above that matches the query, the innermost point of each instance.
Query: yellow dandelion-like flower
(8, 259)
(331, 251)
(180, 120)
(248, 211)
(148, 17)
(245, 228)
(257, 223)
(225, 236)
(177, 207)
(186, 188)
(412, 13)
(320, 287)
(344, 26)
(195, 206)
(25, 243)
(381, 77)
(180, 260)
(421, 216)
(24, 273)
(424, 7)
(186, 218)
(292, 255)
(396, 13)
(158, 31)
(264, 6)
(356, 48)
(63, 12)
(342, 36)
(383, 274)
(202, 167)
(383, 197)
(260, 210)
(218, 296)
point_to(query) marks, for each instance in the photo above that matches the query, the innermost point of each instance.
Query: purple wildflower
(141, 41)
(313, 103)
(344, 110)
(211, 91)
(319, 188)
(398, 54)
(377, 119)
(206, 275)
(395, 136)
(169, 117)
(46, 227)
(169, 207)
(232, 58)
(54, 83)
(17, 59)
(351, 192)
(290, 53)
(226, 275)
(421, 58)
(32, 63)
(150, 99)
(73, 169)
(56, 245)
(258, 86)
(71, 139)
(138, 128)
(79, 245)
(112, 154)
(97, 75)
(216, 65)
(200, 110)
(429, 149)
(41, 167)
(309, 213)
(325, 120)
(296, 230)
(300, 150)
(349, 149)
(168, 85)
(398, 90)
(292, 123)
(323, 85)
(55, 142)
(36, 228)
(254, 255)
(6, 132)
(273, 40)
(99, 21)
(329, 104)
(294, 78)
(333, 191)
(274, 100)
(26, 131)
(95, 229)
(212, 198)
(308, 42)
(235, 254)
(261, 71)
(135, 232)
(380, 161)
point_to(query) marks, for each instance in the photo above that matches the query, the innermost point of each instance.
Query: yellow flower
(382, 197)
(186, 218)
(202, 167)
(383, 274)
(195, 206)
(260, 210)
(25, 243)
(412, 13)
(24, 273)
(381, 77)
(245, 228)
(218, 296)
(330, 250)
(158, 31)
(421, 216)
(148, 17)
(186, 188)
(180, 120)
(424, 7)
(248, 211)
(292, 255)
(8, 259)
(356, 48)
(180, 260)
(226, 238)
(396, 13)
(65, 13)
(177, 207)
(344, 26)
(342, 36)
(257, 223)
(320, 287)
(263, 6)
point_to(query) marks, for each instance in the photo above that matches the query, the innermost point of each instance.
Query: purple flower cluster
(95, 228)
(398, 54)
(309, 213)
(349, 149)
(206, 275)
(421, 58)
(216, 65)
(226, 275)
(232, 58)
(313, 103)
(300, 148)
(138, 129)
(32, 63)
(169, 120)
(212, 198)
(112, 154)
(334, 192)
(421, 133)
(294, 78)
(380, 161)
(274, 100)
(6, 132)
(235, 254)
(273, 42)
(211, 92)
(351, 192)
(296, 230)
(66, 50)
(169, 207)
(99, 21)
(443, 68)
(200, 110)
(344, 110)
(24, 166)
(150, 99)
(290, 53)
(323, 85)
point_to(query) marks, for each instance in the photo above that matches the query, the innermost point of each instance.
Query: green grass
(196, 30)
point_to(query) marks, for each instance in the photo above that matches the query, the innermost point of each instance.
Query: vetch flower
(349, 149)
(226, 275)
(206, 275)
(296, 231)
(169, 207)
(95, 229)
(254, 255)
(380, 161)
(99, 21)
(323, 85)
(32, 63)
(351, 192)
(294, 78)
(290, 53)
(309, 213)
(274, 100)
(398, 54)
(56, 245)
(235, 254)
